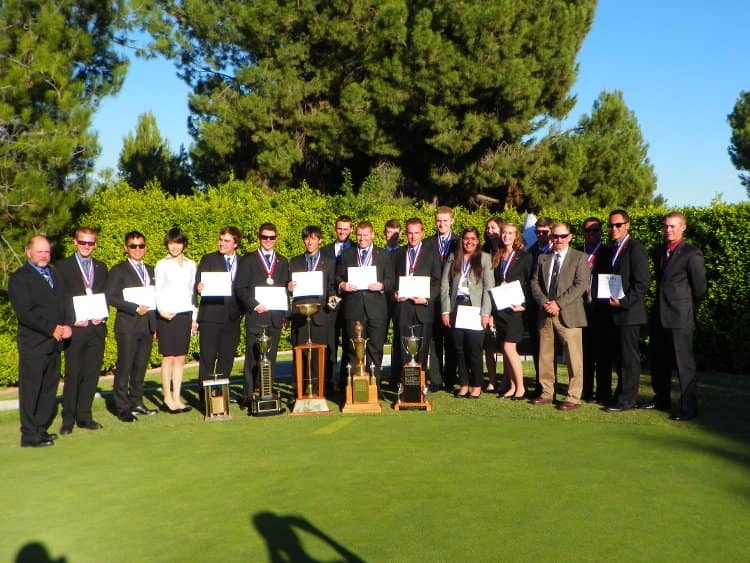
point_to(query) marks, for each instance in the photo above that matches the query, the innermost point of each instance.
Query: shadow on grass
(36, 552)
(281, 534)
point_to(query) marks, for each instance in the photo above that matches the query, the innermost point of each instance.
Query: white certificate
(273, 298)
(90, 307)
(216, 284)
(140, 295)
(468, 318)
(414, 286)
(174, 302)
(362, 276)
(308, 283)
(610, 285)
(507, 294)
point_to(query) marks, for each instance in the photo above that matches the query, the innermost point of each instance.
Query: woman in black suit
(492, 245)
(511, 264)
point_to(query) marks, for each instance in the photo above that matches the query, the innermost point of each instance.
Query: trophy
(216, 398)
(309, 399)
(361, 387)
(265, 401)
(412, 390)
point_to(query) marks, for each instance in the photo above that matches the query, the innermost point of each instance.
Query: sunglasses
(537, 233)
(134, 246)
(559, 237)
(617, 225)
(592, 230)
(86, 242)
(267, 237)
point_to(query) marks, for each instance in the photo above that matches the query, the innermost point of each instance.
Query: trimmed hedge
(722, 335)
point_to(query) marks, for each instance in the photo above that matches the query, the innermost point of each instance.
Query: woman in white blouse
(175, 302)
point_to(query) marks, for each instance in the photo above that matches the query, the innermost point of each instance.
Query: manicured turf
(480, 480)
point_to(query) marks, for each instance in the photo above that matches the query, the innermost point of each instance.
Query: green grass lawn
(483, 480)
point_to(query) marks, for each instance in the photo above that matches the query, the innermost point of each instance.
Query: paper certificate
(610, 285)
(468, 318)
(216, 284)
(272, 298)
(362, 276)
(414, 286)
(90, 307)
(140, 295)
(507, 294)
(308, 283)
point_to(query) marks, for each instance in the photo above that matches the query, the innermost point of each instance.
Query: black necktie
(268, 259)
(553, 279)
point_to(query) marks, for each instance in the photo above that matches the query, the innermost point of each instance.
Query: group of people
(454, 315)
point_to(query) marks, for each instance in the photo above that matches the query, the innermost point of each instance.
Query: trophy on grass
(216, 397)
(361, 386)
(310, 375)
(412, 390)
(265, 401)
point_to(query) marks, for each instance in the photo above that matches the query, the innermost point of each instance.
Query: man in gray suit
(557, 285)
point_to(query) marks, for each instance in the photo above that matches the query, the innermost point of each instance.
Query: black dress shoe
(682, 416)
(517, 398)
(126, 417)
(653, 406)
(140, 409)
(186, 409)
(617, 408)
(90, 425)
(36, 443)
(47, 436)
(66, 429)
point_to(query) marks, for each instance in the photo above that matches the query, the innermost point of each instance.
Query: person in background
(492, 245)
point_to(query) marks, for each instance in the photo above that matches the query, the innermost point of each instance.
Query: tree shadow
(281, 534)
(36, 552)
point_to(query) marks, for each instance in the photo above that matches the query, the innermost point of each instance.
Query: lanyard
(412, 265)
(620, 246)
(592, 254)
(507, 264)
(367, 260)
(88, 280)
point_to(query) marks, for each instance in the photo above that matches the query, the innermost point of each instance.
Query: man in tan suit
(558, 284)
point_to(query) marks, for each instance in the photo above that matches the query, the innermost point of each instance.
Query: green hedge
(722, 337)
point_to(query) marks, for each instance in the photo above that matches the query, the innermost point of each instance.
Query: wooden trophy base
(361, 395)
(314, 401)
(216, 399)
(411, 389)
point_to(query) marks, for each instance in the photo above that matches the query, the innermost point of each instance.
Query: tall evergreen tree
(739, 149)
(294, 90)
(56, 63)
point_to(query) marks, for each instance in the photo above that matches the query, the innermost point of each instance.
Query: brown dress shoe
(568, 406)
(541, 401)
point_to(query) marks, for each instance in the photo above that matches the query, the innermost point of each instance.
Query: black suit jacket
(428, 264)
(435, 244)
(365, 303)
(519, 270)
(602, 264)
(632, 266)
(218, 309)
(327, 265)
(38, 307)
(74, 285)
(121, 276)
(251, 274)
(329, 250)
(680, 285)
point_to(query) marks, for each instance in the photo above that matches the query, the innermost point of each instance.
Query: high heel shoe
(459, 395)
(470, 396)
(518, 397)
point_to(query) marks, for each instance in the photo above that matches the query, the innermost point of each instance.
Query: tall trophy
(265, 401)
(310, 372)
(216, 398)
(412, 390)
(361, 386)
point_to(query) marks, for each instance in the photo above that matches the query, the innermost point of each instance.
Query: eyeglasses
(86, 242)
(559, 237)
(267, 237)
(617, 225)
(134, 246)
(592, 230)
(542, 232)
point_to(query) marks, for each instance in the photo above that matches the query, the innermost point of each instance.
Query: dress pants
(469, 359)
(38, 377)
(571, 341)
(133, 353)
(627, 358)
(251, 374)
(83, 361)
(673, 346)
(442, 369)
(597, 362)
(218, 345)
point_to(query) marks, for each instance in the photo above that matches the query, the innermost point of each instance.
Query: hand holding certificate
(216, 284)
(469, 318)
(90, 307)
(507, 294)
(273, 298)
(307, 284)
(610, 285)
(140, 295)
(410, 287)
(362, 276)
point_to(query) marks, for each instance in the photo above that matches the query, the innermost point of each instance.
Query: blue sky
(680, 64)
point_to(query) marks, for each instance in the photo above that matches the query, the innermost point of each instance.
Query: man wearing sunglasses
(135, 327)
(629, 260)
(558, 284)
(542, 245)
(263, 268)
(83, 275)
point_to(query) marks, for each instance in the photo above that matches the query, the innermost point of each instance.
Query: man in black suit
(262, 268)
(135, 327)
(366, 304)
(630, 261)
(36, 294)
(415, 259)
(219, 316)
(321, 325)
(597, 364)
(83, 275)
(680, 285)
(335, 250)
(442, 362)
(392, 234)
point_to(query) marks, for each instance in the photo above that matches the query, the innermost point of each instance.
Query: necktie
(553, 279)
(141, 271)
(86, 267)
(309, 261)
(412, 255)
(229, 263)
(47, 276)
(268, 259)
(363, 255)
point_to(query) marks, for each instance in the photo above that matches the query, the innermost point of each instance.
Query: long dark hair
(476, 257)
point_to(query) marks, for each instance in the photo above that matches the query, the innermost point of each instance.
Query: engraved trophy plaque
(361, 386)
(412, 390)
(310, 372)
(265, 401)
